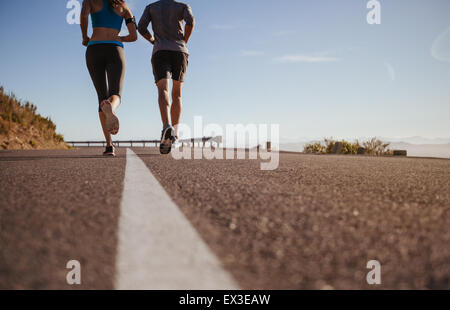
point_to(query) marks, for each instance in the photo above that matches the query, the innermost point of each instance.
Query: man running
(169, 60)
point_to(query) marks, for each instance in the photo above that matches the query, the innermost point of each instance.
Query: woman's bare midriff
(105, 34)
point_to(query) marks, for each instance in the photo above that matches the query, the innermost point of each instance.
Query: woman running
(105, 57)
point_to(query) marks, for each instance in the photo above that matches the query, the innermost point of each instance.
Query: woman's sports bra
(107, 18)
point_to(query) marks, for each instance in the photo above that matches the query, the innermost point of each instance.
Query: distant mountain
(411, 140)
(418, 140)
(423, 150)
(293, 147)
(441, 150)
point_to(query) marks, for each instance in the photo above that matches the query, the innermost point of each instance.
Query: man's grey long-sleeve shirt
(167, 18)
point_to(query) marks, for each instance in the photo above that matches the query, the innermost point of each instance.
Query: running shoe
(176, 143)
(167, 139)
(112, 121)
(109, 151)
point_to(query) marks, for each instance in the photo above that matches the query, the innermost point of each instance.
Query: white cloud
(301, 58)
(252, 53)
(440, 48)
(391, 71)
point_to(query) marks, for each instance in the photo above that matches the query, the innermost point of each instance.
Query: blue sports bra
(107, 18)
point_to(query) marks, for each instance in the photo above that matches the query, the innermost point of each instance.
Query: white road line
(158, 248)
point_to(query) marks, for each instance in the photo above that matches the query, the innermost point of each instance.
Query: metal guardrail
(189, 142)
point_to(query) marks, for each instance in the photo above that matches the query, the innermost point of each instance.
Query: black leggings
(106, 65)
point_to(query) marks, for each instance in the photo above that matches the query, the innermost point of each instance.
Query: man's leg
(179, 68)
(163, 100)
(175, 111)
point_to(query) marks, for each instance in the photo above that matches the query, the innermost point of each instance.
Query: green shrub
(15, 118)
(3, 129)
(377, 147)
(58, 137)
(350, 148)
(373, 147)
(329, 145)
(315, 148)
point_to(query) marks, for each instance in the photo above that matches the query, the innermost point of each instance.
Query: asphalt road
(313, 223)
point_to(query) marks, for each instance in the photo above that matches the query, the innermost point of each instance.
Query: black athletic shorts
(170, 65)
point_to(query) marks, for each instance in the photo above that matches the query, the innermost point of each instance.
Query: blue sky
(314, 67)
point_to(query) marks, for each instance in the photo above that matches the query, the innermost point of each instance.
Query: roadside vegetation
(21, 127)
(374, 147)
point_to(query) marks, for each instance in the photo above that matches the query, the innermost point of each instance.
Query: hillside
(21, 127)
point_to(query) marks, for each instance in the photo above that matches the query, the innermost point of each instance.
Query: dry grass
(371, 147)
(21, 127)
(377, 147)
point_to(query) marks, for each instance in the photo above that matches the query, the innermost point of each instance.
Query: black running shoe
(110, 151)
(167, 139)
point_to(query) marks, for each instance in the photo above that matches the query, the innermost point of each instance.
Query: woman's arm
(132, 36)
(84, 21)
(130, 20)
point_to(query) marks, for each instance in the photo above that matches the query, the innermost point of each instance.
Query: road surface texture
(57, 206)
(313, 223)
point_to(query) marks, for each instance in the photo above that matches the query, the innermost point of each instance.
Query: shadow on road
(27, 158)
(44, 157)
